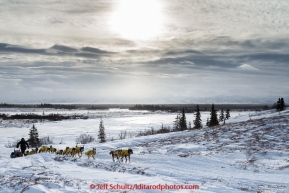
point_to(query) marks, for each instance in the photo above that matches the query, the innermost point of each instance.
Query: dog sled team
(119, 154)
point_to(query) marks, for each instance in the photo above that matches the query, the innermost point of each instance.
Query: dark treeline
(189, 108)
(59, 106)
(3, 115)
(5, 105)
(152, 108)
(56, 106)
(42, 105)
(51, 117)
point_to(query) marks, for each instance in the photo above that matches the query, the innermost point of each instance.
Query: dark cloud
(227, 45)
(267, 57)
(170, 53)
(261, 43)
(222, 61)
(144, 52)
(226, 53)
(256, 44)
(56, 50)
(95, 50)
(63, 48)
(87, 55)
(8, 48)
(198, 61)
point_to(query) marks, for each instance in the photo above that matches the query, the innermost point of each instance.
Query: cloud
(187, 62)
(8, 48)
(247, 67)
(56, 50)
(196, 61)
(95, 50)
(63, 48)
(182, 52)
(272, 57)
(206, 45)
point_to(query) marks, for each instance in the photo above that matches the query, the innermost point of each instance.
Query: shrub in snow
(84, 139)
(11, 144)
(122, 135)
(46, 141)
(153, 131)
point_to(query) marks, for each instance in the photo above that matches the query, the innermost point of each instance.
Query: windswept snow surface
(248, 154)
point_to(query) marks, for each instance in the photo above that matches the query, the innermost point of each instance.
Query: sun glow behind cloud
(153, 48)
(137, 19)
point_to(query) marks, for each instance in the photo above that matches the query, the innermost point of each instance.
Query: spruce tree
(176, 125)
(183, 121)
(101, 135)
(198, 120)
(278, 106)
(227, 114)
(222, 116)
(208, 122)
(33, 137)
(214, 117)
(282, 104)
(189, 125)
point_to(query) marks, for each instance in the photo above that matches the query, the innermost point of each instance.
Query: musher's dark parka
(23, 145)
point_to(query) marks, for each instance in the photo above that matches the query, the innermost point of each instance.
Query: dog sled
(16, 153)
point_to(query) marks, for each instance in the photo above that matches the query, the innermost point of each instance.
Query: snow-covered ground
(248, 154)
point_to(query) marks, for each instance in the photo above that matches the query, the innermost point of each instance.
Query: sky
(142, 51)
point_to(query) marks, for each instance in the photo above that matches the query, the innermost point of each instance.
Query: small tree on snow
(208, 122)
(280, 104)
(33, 137)
(176, 125)
(283, 106)
(198, 120)
(222, 116)
(183, 121)
(101, 135)
(214, 117)
(190, 125)
(228, 114)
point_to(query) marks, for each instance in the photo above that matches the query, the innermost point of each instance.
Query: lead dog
(91, 153)
(126, 153)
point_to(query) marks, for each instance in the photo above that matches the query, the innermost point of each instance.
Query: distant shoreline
(175, 107)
